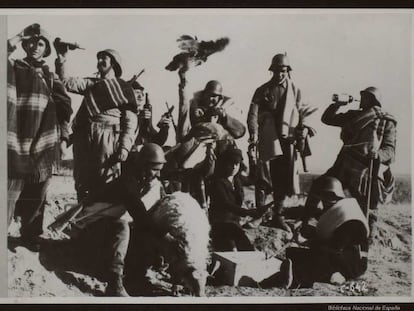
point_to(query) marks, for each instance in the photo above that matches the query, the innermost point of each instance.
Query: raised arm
(26, 33)
(332, 117)
(72, 84)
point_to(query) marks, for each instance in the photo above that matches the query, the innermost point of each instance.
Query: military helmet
(152, 153)
(137, 86)
(116, 60)
(214, 87)
(374, 92)
(280, 60)
(328, 189)
(40, 34)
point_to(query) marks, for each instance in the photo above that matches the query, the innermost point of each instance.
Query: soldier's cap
(152, 154)
(214, 87)
(328, 189)
(280, 60)
(42, 35)
(116, 60)
(137, 86)
(374, 92)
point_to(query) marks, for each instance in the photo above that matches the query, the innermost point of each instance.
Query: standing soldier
(38, 113)
(146, 131)
(104, 128)
(272, 122)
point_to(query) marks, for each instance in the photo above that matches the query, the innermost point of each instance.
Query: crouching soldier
(210, 105)
(136, 191)
(334, 254)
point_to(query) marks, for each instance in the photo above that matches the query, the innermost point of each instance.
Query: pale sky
(330, 52)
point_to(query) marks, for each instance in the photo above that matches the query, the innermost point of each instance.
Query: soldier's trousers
(93, 149)
(283, 174)
(318, 265)
(106, 244)
(26, 200)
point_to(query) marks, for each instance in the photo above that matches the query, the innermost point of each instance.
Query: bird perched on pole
(195, 52)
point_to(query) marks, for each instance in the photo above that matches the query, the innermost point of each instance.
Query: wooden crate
(244, 268)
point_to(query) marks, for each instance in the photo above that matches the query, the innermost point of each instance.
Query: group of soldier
(119, 157)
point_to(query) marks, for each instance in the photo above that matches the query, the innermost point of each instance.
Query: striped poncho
(37, 104)
(100, 95)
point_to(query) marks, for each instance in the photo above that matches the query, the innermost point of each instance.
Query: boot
(32, 243)
(281, 279)
(115, 287)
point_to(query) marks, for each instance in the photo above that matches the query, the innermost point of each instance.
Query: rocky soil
(55, 271)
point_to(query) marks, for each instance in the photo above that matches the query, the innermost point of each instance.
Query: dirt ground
(53, 272)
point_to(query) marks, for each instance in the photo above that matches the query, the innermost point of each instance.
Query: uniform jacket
(363, 131)
(100, 105)
(226, 200)
(273, 114)
(231, 124)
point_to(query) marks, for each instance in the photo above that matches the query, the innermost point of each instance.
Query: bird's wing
(207, 48)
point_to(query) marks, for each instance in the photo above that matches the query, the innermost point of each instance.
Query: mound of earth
(62, 270)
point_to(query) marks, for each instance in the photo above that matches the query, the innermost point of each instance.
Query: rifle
(169, 114)
(254, 175)
(136, 76)
(65, 219)
(300, 147)
(302, 142)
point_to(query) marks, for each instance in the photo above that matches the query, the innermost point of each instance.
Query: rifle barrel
(169, 112)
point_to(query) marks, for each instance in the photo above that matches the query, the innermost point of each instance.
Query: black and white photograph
(206, 155)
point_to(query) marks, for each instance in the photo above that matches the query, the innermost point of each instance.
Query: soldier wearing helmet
(39, 111)
(334, 254)
(136, 191)
(104, 128)
(272, 123)
(211, 105)
(368, 134)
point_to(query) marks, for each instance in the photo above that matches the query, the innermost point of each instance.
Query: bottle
(71, 46)
(342, 98)
(146, 124)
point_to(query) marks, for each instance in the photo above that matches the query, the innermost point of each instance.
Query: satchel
(385, 184)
